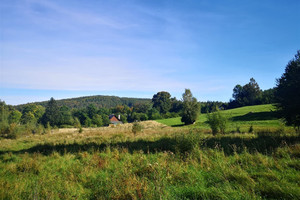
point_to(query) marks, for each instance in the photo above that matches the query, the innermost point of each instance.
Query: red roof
(113, 119)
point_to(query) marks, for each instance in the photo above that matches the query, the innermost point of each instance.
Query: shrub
(223, 121)
(39, 129)
(4, 128)
(217, 122)
(30, 128)
(213, 121)
(136, 127)
(167, 115)
(76, 123)
(13, 131)
(185, 143)
(156, 116)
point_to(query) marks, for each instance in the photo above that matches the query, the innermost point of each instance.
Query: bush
(185, 143)
(155, 116)
(4, 128)
(77, 123)
(39, 129)
(136, 127)
(167, 115)
(213, 122)
(217, 122)
(30, 128)
(223, 121)
(13, 131)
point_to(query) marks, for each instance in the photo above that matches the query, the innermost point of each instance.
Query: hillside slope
(98, 100)
(259, 116)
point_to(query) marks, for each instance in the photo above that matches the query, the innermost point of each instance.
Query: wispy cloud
(51, 12)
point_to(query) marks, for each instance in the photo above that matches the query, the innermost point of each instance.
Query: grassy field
(161, 162)
(260, 117)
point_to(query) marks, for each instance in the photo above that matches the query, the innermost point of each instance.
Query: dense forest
(99, 101)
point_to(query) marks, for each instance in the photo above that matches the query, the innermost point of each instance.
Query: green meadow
(260, 117)
(166, 160)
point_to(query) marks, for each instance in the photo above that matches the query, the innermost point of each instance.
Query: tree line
(100, 101)
(251, 94)
(33, 118)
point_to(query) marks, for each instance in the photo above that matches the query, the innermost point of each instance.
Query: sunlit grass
(160, 162)
(260, 117)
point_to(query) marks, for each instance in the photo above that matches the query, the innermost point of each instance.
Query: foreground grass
(190, 165)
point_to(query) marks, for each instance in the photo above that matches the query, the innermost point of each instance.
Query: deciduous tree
(66, 116)
(14, 116)
(248, 94)
(162, 101)
(191, 108)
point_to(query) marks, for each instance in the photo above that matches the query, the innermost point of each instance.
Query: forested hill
(99, 101)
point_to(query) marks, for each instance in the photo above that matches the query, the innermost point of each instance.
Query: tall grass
(190, 165)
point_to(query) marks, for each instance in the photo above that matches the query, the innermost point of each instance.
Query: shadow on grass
(257, 116)
(178, 125)
(181, 144)
(262, 144)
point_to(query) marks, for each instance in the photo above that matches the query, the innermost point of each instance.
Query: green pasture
(260, 117)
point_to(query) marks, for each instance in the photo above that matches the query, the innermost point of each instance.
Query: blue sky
(71, 48)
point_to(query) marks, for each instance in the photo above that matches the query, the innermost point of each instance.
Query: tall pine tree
(52, 113)
(287, 92)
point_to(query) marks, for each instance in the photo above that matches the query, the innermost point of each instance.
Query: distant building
(114, 120)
